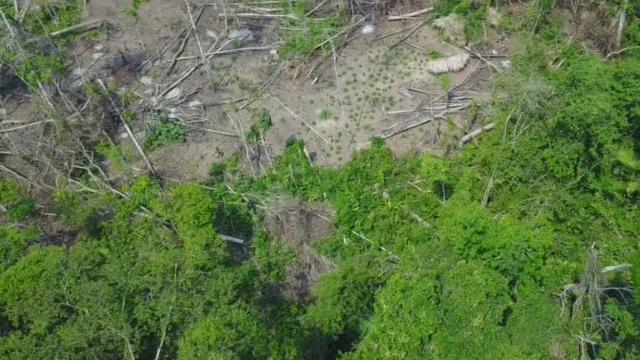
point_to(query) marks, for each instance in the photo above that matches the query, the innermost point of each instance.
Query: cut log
(448, 64)
(410, 15)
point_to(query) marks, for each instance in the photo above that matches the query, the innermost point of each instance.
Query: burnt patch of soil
(11, 84)
(61, 238)
(125, 67)
(299, 225)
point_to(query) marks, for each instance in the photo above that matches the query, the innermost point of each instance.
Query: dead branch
(614, 268)
(257, 16)
(183, 45)
(337, 74)
(20, 177)
(622, 17)
(126, 126)
(240, 131)
(419, 91)
(616, 53)
(194, 29)
(235, 51)
(487, 192)
(415, 28)
(264, 86)
(83, 27)
(182, 78)
(185, 40)
(413, 126)
(223, 102)
(427, 120)
(3, 131)
(483, 59)
(324, 58)
(410, 16)
(416, 217)
(393, 256)
(6, 22)
(343, 31)
(392, 34)
(213, 131)
(207, 57)
(321, 4)
(161, 51)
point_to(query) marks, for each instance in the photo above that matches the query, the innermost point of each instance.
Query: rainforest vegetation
(524, 244)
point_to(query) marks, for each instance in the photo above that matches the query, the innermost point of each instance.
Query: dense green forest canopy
(524, 245)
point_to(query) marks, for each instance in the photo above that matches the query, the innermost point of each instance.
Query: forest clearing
(319, 179)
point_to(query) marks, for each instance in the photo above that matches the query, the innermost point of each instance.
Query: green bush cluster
(165, 133)
(15, 202)
(47, 17)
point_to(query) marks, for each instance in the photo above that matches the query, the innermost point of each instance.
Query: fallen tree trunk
(474, 134)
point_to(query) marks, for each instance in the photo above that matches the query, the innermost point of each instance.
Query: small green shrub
(262, 124)
(217, 171)
(71, 209)
(445, 82)
(135, 7)
(117, 156)
(14, 244)
(14, 198)
(325, 114)
(165, 133)
(434, 54)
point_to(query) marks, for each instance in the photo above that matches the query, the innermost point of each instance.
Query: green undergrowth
(135, 7)
(46, 18)
(17, 232)
(165, 133)
(305, 34)
(35, 57)
(262, 123)
(15, 201)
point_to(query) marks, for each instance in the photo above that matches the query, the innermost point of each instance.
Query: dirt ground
(371, 87)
